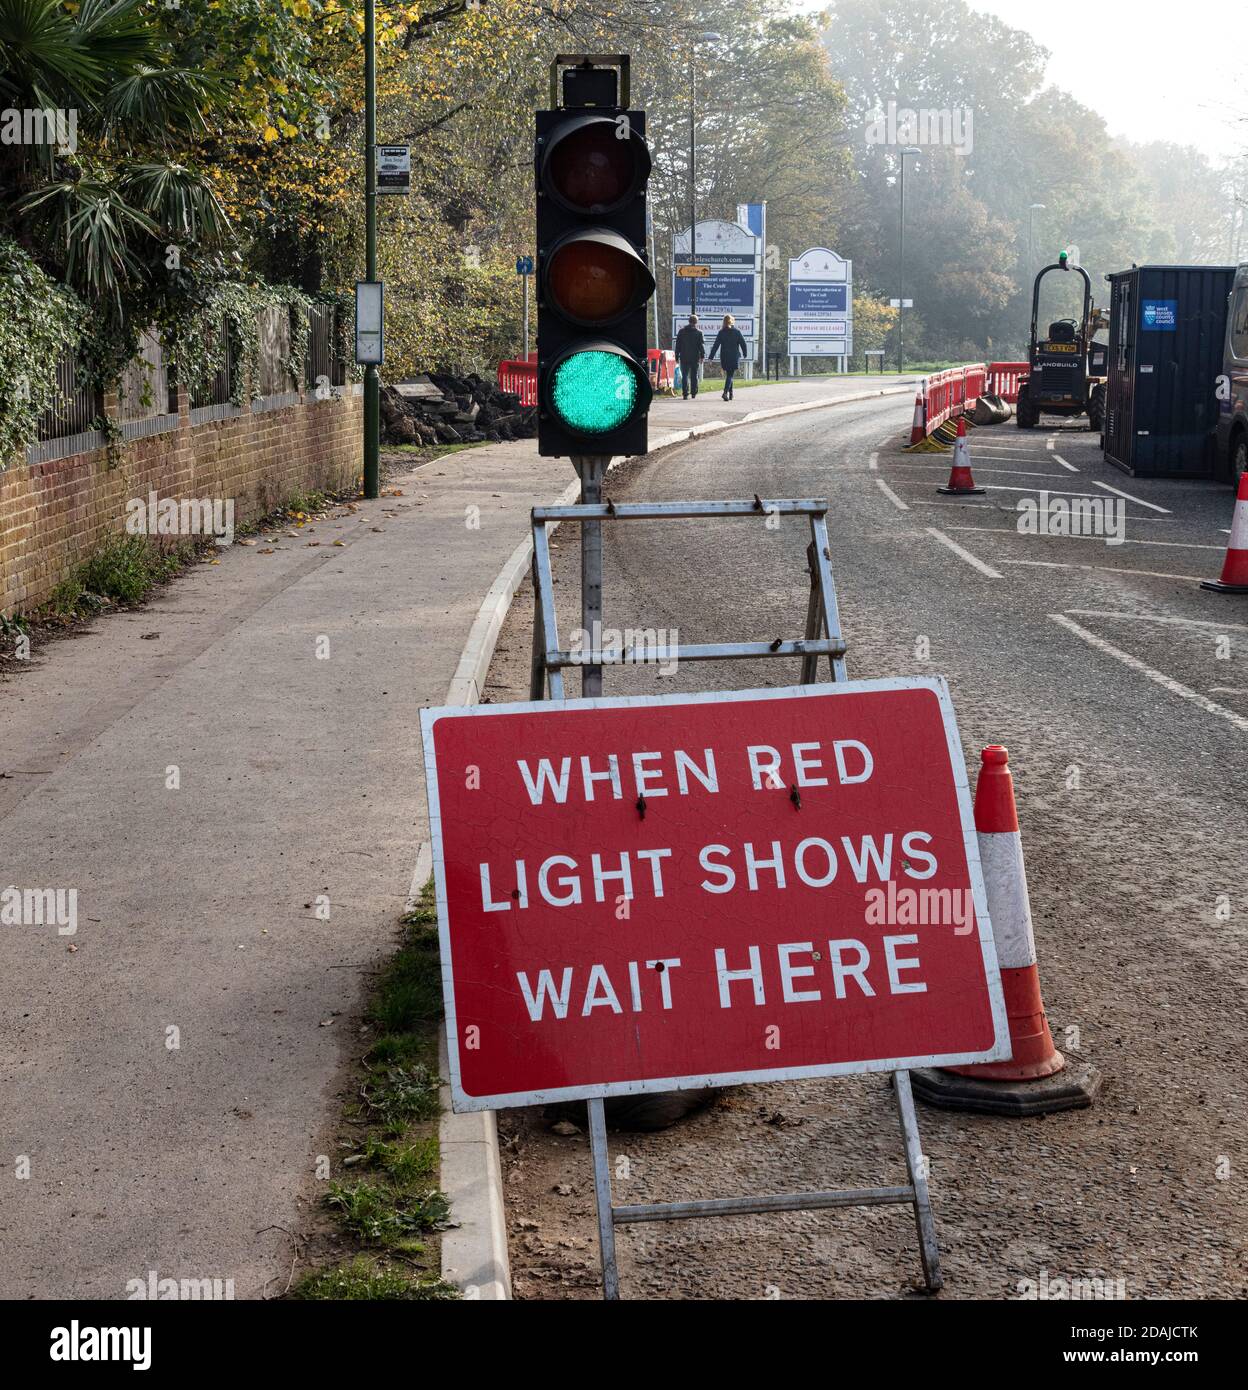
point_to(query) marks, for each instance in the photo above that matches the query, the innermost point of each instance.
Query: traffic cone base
(1219, 588)
(1075, 1087)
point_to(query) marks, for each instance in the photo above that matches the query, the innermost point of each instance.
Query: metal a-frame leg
(602, 1195)
(537, 670)
(916, 1165)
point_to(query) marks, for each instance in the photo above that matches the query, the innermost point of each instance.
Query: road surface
(1121, 690)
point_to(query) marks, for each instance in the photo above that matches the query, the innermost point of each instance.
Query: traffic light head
(591, 166)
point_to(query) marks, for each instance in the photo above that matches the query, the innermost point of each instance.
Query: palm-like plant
(102, 221)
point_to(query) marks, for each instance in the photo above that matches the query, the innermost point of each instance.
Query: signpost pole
(592, 469)
(372, 383)
(525, 355)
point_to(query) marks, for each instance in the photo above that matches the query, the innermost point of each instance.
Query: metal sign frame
(823, 639)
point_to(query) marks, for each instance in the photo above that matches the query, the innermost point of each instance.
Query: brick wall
(52, 515)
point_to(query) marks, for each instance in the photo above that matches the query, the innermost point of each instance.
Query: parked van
(1233, 388)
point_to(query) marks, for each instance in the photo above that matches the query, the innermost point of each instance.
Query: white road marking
(1151, 505)
(1051, 443)
(1099, 540)
(891, 495)
(1109, 569)
(966, 555)
(1226, 690)
(1157, 618)
(1015, 472)
(1064, 464)
(1158, 677)
(873, 461)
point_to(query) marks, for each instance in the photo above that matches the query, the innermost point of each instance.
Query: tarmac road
(1121, 690)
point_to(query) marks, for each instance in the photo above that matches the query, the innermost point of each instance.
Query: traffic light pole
(591, 469)
(372, 383)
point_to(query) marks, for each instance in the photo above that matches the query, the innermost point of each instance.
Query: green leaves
(92, 232)
(178, 199)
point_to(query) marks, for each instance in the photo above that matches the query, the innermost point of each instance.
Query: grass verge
(387, 1205)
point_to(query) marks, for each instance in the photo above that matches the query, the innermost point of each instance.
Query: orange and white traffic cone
(1234, 578)
(918, 425)
(961, 483)
(1037, 1078)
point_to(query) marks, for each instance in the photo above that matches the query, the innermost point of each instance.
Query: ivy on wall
(39, 321)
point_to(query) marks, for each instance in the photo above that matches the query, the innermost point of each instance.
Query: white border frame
(462, 1103)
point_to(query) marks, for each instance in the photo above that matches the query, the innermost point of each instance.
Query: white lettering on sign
(814, 861)
(647, 781)
(766, 764)
(598, 990)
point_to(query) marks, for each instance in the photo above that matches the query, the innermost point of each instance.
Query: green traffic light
(594, 392)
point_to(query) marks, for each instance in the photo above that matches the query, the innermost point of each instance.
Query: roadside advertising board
(821, 305)
(655, 893)
(732, 255)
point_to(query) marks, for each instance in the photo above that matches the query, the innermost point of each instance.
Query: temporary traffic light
(591, 165)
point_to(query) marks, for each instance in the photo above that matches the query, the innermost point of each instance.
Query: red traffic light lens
(595, 167)
(595, 279)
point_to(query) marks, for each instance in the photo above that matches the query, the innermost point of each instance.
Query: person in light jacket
(732, 350)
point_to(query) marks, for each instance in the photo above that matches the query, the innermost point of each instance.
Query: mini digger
(1066, 370)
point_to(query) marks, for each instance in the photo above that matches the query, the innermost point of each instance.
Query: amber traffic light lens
(592, 169)
(593, 282)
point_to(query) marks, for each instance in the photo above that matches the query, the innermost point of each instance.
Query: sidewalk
(169, 1069)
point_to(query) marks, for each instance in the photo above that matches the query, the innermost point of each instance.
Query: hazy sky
(1175, 71)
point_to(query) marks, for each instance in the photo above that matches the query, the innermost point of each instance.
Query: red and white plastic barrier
(946, 394)
(520, 378)
(1004, 379)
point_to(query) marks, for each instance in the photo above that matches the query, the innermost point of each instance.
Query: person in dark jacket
(690, 350)
(732, 351)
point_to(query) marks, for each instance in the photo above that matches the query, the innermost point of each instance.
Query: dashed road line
(1157, 618)
(1151, 505)
(973, 560)
(1106, 569)
(1160, 678)
(1013, 472)
(1064, 464)
(1099, 540)
(873, 461)
(891, 495)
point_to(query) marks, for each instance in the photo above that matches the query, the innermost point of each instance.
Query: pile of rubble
(437, 409)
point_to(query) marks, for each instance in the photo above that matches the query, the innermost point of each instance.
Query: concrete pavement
(204, 773)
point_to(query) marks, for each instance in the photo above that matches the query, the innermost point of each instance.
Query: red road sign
(651, 893)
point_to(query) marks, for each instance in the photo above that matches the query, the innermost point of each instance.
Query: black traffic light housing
(591, 166)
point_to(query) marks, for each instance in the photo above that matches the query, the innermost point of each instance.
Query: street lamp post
(901, 273)
(1031, 236)
(372, 384)
(693, 168)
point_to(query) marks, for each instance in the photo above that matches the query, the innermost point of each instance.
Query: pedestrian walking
(690, 350)
(732, 350)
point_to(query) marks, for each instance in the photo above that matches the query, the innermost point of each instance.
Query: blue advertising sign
(817, 299)
(720, 291)
(1159, 315)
